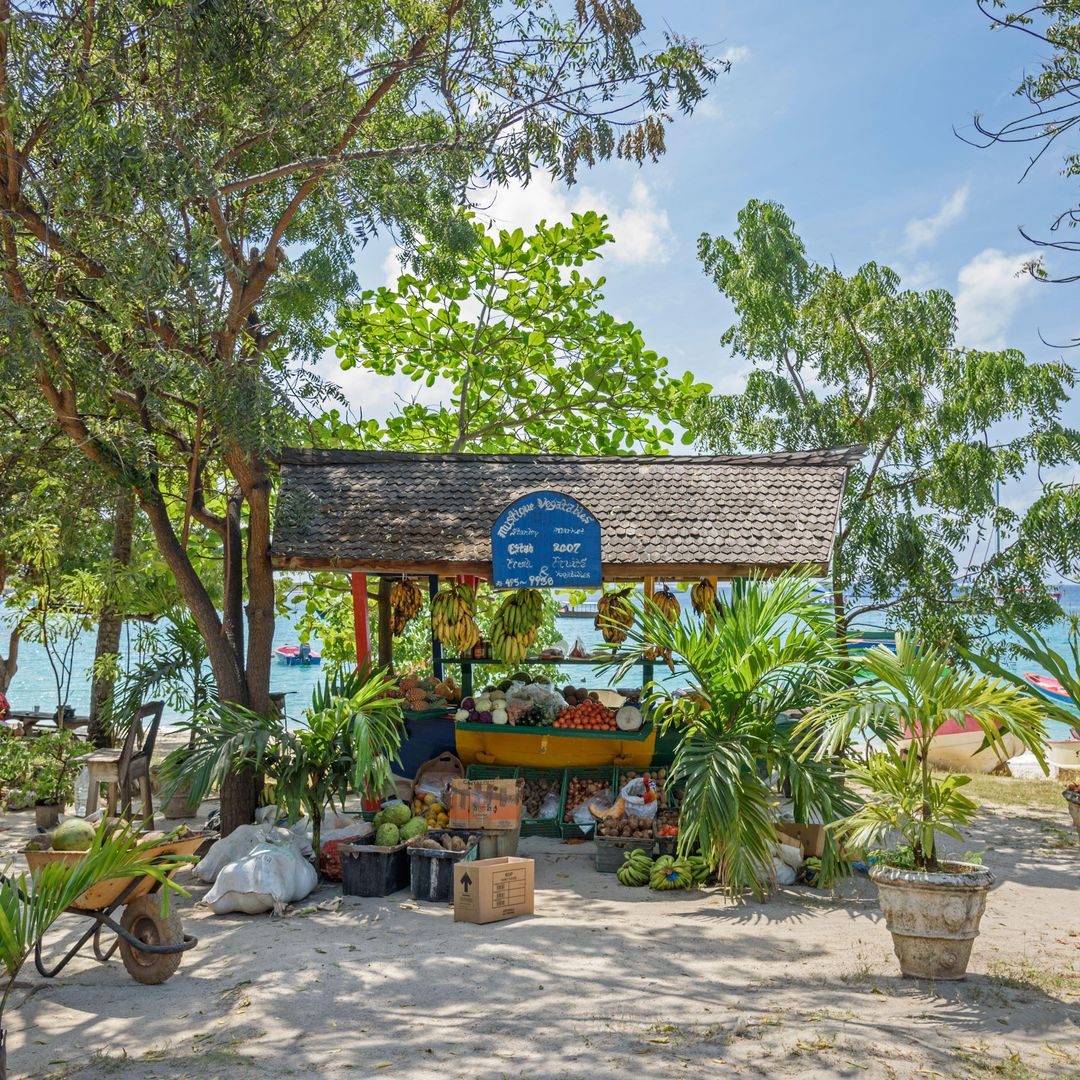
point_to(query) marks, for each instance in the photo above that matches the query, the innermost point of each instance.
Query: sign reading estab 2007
(546, 540)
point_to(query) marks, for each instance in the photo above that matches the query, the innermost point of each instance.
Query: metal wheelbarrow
(151, 943)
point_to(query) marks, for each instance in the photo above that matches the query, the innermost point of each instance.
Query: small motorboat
(865, 640)
(1049, 686)
(297, 655)
(957, 746)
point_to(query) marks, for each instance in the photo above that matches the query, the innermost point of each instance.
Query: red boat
(1049, 686)
(297, 655)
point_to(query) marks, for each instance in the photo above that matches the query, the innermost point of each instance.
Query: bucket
(499, 843)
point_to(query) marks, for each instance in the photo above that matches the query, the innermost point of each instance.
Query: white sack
(241, 841)
(790, 854)
(271, 876)
(784, 874)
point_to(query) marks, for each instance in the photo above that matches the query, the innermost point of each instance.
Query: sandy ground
(603, 981)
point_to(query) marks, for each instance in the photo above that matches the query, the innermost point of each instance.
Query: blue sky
(843, 112)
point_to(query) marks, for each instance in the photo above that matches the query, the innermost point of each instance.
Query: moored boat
(1049, 686)
(959, 745)
(297, 655)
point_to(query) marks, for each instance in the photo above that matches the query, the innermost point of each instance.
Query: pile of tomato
(588, 716)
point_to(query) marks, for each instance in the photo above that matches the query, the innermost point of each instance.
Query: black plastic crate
(611, 851)
(431, 872)
(367, 870)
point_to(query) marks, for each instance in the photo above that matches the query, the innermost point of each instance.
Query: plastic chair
(122, 767)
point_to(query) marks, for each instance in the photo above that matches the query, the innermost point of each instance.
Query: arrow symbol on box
(466, 881)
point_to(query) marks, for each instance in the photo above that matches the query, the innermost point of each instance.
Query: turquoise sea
(34, 685)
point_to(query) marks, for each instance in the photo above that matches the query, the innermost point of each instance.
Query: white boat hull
(1065, 753)
(959, 752)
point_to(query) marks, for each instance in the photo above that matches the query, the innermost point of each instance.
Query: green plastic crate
(491, 772)
(570, 830)
(544, 826)
(673, 797)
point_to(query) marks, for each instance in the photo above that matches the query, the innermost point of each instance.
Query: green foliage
(29, 906)
(347, 741)
(533, 363)
(772, 650)
(911, 694)
(858, 360)
(42, 769)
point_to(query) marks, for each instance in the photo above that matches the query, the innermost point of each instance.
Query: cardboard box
(493, 889)
(812, 837)
(485, 804)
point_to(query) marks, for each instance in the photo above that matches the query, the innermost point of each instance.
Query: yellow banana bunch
(705, 601)
(452, 617)
(515, 624)
(614, 615)
(406, 600)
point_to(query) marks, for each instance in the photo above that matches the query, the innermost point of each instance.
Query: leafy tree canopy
(530, 358)
(839, 359)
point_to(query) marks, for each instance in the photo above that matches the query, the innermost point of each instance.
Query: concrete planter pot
(177, 807)
(47, 815)
(1072, 800)
(933, 917)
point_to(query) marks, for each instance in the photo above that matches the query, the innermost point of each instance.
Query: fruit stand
(432, 526)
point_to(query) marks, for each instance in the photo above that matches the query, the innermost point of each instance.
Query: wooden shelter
(675, 518)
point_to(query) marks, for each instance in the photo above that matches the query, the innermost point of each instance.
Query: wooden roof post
(360, 619)
(436, 644)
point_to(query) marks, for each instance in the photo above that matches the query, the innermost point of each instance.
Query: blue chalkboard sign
(546, 540)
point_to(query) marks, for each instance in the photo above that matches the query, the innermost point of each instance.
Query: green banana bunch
(635, 869)
(700, 870)
(515, 625)
(670, 872)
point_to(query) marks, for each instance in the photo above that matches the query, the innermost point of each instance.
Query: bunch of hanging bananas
(704, 598)
(671, 872)
(668, 604)
(515, 624)
(406, 600)
(452, 611)
(614, 615)
(636, 869)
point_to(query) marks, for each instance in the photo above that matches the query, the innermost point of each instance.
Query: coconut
(74, 834)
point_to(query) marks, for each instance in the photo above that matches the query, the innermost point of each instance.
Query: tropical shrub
(773, 649)
(913, 693)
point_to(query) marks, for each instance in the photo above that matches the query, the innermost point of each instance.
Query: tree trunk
(10, 664)
(239, 799)
(110, 621)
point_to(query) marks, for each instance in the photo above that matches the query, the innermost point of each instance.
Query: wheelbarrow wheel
(143, 920)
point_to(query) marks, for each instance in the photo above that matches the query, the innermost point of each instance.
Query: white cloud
(735, 54)
(990, 290)
(640, 226)
(923, 232)
(391, 266)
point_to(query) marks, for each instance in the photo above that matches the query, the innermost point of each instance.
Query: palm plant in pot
(773, 650)
(346, 742)
(932, 904)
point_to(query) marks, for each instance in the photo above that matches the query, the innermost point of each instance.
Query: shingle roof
(372, 510)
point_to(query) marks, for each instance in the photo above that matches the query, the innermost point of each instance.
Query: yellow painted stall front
(553, 748)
